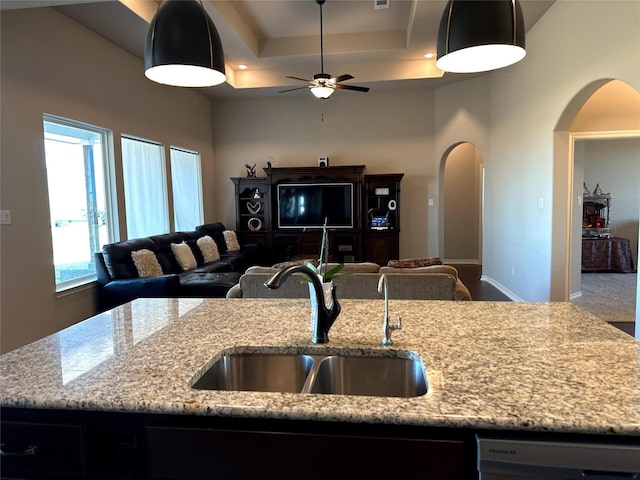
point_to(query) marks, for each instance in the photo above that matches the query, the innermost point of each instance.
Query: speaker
(323, 161)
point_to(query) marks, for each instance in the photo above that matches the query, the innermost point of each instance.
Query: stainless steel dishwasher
(501, 458)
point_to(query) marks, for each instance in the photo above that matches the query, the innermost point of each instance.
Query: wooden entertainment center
(366, 226)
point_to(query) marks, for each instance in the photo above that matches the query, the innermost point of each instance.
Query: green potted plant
(324, 273)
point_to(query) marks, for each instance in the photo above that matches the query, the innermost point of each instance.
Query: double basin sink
(317, 372)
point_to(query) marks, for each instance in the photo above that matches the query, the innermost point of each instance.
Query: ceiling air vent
(379, 4)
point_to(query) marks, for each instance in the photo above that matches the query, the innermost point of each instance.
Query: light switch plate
(5, 217)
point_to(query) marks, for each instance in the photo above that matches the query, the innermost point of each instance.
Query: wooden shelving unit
(256, 215)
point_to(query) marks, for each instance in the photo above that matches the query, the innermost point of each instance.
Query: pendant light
(480, 35)
(183, 47)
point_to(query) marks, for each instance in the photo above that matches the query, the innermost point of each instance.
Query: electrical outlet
(5, 217)
(430, 202)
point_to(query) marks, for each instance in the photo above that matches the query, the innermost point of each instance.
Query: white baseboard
(573, 296)
(502, 288)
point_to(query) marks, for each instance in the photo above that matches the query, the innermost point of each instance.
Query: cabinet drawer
(41, 450)
(195, 453)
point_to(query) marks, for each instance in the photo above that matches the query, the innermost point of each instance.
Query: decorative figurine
(251, 170)
(597, 190)
(585, 190)
(254, 207)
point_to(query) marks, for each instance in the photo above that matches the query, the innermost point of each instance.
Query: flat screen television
(306, 205)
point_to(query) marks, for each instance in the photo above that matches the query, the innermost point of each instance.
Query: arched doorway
(603, 111)
(461, 210)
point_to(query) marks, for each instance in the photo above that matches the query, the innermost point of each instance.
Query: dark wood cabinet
(141, 446)
(382, 201)
(375, 227)
(380, 247)
(253, 205)
(43, 450)
(344, 246)
(223, 454)
(382, 230)
(102, 445)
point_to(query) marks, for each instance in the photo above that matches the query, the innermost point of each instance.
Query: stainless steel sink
(401, 375)
(375, 376)
(262, 372)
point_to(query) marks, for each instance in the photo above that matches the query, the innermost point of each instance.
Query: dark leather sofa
(118, 280)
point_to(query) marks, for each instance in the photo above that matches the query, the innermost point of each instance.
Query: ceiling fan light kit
(478, 36)
(322, 92)
(183, 47)
(322, 86)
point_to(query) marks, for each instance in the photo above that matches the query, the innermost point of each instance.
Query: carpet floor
(609, 296)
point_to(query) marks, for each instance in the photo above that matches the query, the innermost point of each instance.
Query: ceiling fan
(323, 85)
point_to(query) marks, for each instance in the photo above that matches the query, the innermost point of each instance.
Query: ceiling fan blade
(291, 89)
(342, 78)
(353, 87)
(298, 78)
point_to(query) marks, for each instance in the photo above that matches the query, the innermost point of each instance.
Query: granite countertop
(503, 365)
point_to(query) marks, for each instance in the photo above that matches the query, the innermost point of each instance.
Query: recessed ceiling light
(242, 67)
(429, 55)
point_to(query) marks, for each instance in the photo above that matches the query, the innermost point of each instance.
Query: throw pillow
(414, 262)
(231, 240)
(208, 248)
(146, 263)
(184, 256)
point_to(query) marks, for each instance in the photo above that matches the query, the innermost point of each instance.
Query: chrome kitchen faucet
(387, 328)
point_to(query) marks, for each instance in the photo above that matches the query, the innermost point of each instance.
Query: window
(77, 156)
(187, 189)
(145, 190)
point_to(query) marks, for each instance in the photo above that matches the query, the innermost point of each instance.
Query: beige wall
(575, 44)
(52, 65)
(462, 179)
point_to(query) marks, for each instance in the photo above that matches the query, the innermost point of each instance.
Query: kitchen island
(535, 369)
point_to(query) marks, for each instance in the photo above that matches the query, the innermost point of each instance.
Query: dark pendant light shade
(480, 35)
(183, 47)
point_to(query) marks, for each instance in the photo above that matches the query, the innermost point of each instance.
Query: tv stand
(376, 215)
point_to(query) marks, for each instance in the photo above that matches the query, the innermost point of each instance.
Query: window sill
(71, 288)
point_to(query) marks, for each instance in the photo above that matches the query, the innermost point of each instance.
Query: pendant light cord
(321, 41)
